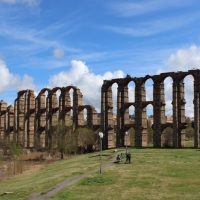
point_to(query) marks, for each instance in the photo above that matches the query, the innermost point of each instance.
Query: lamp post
(101, 137)
(126, 134)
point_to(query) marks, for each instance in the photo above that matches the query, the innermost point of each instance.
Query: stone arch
(178, 109)
(91, 117)
(41, 119)
(54, 105)
(78, 115)
(107, 126)
(25, 117)
(130, 125)
(123, 105)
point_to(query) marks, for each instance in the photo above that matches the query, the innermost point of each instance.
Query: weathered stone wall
(30, 118)
(140, 104)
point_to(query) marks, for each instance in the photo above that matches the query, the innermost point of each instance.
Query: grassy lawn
(152, 174)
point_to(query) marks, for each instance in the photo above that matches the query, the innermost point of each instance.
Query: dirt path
(56, 189)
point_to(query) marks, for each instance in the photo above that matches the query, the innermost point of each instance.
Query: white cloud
(58, 52)
(185, 59)
(6, 77)
(89, 83)
(23, 83)
(13, 81)
(182, 60)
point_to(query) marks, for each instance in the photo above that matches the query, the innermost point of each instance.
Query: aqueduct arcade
(159, 120)
(30, 118)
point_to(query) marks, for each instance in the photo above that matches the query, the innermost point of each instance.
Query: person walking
(128, 158)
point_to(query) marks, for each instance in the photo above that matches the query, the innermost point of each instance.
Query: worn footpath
(50, 192)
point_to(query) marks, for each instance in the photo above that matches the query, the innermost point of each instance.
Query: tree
(15, 152)
(61, 139)
(86, 139)
(168, 137)
(189, 131)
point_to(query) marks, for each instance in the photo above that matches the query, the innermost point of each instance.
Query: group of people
(128, 158)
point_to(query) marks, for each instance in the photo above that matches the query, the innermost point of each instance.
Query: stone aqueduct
(30, 118)
(178, 109)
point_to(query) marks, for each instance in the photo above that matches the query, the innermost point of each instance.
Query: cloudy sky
(59, 43)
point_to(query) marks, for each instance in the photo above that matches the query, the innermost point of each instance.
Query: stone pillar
(109, 107)
(104, 122)
(3, 107)
(119, 136)
(42, 119)
(124, 113)
(196, 111)
(15, 120)
(178, 113)
(28, 131)
(10, 122)
(158, 113)
(181, 115)
(107, 123)
(42, 108)
(37, 123)
(67, 107)
(54, 107)
(20, 101)
(30, 115)
(175, 112)
(91, 117)
(78, 114)
(140, 114)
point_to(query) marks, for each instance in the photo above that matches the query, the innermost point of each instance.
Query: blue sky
(48, 43)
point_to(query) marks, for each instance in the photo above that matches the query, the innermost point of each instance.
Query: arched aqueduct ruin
(31, 116)
(140, 104)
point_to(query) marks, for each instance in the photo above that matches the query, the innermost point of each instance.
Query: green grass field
(152, 174)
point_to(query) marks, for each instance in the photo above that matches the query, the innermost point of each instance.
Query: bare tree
(61, 139)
